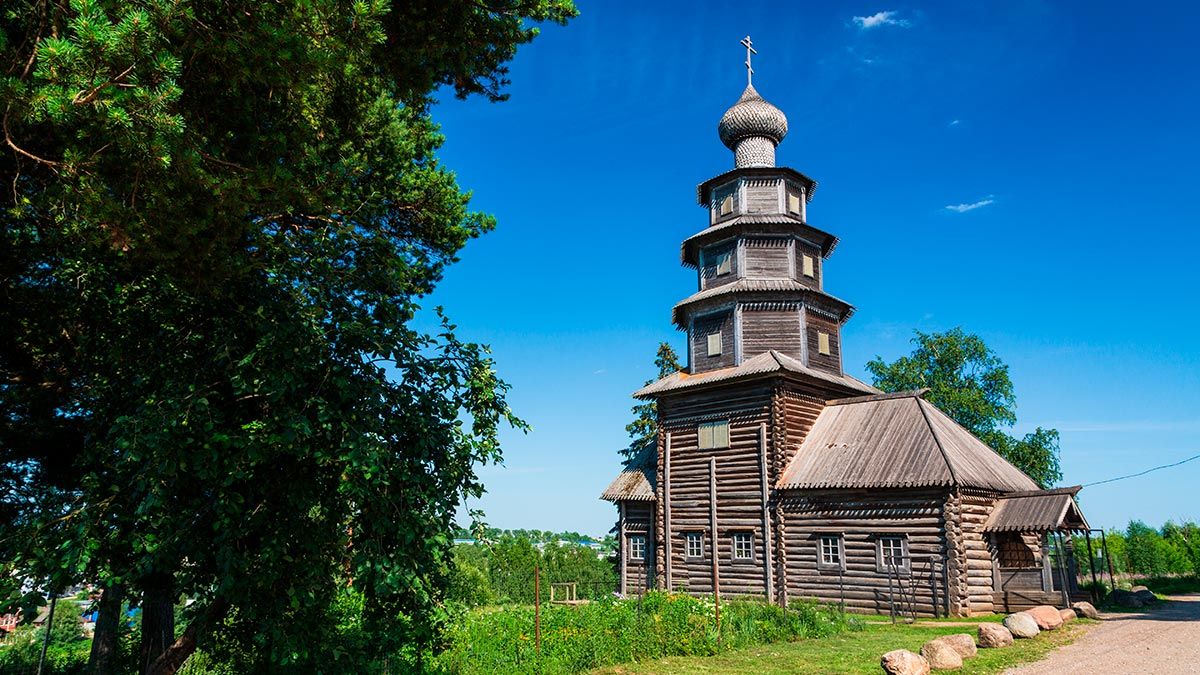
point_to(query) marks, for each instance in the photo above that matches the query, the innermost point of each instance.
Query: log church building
(777, 474)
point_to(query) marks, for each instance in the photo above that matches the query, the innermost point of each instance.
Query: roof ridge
(1069, 490)
(938, 440)
(912, 393)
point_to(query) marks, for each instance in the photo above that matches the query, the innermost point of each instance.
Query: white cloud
(955, 123)
(878, 19)
(963, 208)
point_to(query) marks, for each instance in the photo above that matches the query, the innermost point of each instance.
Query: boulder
(1085, 609)
(941, 655)
(1068, 615)
(1047, 617)
(1022, 625)
(1146, 596)
(995, 635)
(963, 643)
(1138, 589)
(904, 662)
(1126, 598)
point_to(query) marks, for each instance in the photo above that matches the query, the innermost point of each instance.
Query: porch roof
(636, 482)
(1037, 511)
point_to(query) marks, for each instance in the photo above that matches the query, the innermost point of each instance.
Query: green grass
(856, 652)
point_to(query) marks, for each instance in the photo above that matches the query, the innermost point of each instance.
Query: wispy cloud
(878, 19)
(963, 208)
(955, 123)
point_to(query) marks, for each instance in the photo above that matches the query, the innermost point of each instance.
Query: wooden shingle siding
(639, 574)
(762, 196)
(767, 258)
(763, 330)
(709, 277)
(819, 323)
(739, 489)
(803, 249)
(703, 327)
(861, 517)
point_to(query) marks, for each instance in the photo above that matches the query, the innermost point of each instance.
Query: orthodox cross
(749, 50)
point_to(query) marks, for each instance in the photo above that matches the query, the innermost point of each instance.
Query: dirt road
(1164, 640)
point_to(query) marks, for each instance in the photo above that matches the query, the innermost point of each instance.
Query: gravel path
(1164, 640)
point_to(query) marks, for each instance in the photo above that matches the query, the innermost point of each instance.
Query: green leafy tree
(217, 223)
(970, 383)
(643, 430)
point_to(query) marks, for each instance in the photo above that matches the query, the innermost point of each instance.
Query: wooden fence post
(537, 609)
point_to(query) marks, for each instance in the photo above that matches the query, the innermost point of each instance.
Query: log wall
(861, 517)
(979, 555)
(639, 574)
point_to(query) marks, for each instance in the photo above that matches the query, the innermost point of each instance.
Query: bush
(611, 631)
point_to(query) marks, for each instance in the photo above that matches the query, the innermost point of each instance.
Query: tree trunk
(173, 658)
(106, 639)
(158, 617)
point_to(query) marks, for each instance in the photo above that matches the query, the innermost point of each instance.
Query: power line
(1143, 473)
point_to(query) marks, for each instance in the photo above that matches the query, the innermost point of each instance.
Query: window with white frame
(793, 202)
(713, 434)
(892, 554)
(743, 546)
(714, 344)
(727, 205)
(831, 551)
(694, 544)
(809, 266)
(823, 343)
(637, 547)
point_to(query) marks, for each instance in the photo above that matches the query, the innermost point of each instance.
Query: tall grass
(611, 631)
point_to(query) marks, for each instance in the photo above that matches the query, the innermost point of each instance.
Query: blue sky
(1025, 170)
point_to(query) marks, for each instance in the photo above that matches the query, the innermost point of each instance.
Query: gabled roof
(636, 482)
(1037, 511)
(768, 363)
(751, 285)
(896, 440)
(755, 224)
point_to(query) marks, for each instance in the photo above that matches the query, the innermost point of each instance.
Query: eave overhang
(703, 189)
(752, 225)
(764, 290)
(769, 364)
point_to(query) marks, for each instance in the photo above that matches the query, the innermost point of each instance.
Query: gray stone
(994, 635)
(1085, 609)
(941, 655)
(963, 643)
(1022, 625)
(1125, 598)
(1147, 597)
(904, 662)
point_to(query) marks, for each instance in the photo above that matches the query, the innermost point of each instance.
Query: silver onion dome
(752, 128)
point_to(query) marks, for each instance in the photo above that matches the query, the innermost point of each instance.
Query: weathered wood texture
(767, 258)
(639, 522)
(764, 330)
(819, 323)
(762, 195)
(976, 592)
(711, 258)
(718, 195)
(702, 328)
(860, 517)
(739, 488)
(806, 249)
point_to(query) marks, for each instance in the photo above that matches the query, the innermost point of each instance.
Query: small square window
(637, 547)
(793, 202)
(892, 554)
(713, 434)
(831, 552)
(809, 266)
(724, 263)
(714, 344)
(823, 343)
(743, 546)
(727, 205)
(694, 544)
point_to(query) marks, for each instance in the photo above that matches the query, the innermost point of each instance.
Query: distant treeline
(501, 571)
(535, 536)
(1173, 549)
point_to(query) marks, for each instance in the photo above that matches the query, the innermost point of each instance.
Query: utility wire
(1143, 473)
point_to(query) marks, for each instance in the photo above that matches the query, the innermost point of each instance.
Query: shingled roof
(896, 441)
(767, 363)
(840, 307)
(1037, 511)
(636, 482)
(755, 223)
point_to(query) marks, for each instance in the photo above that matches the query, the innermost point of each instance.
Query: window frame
(794, 196)
(713, 425)
(808, 265)
(708, 351)
(839, 542)
(641, 540)
(905, 560)
(724, 263)
(749, 543)
(726, 206)
(824, 344)
(688, 539)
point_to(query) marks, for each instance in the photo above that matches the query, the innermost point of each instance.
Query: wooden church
(779, 475)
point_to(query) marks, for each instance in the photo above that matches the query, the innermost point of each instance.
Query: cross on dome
(749, 45)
